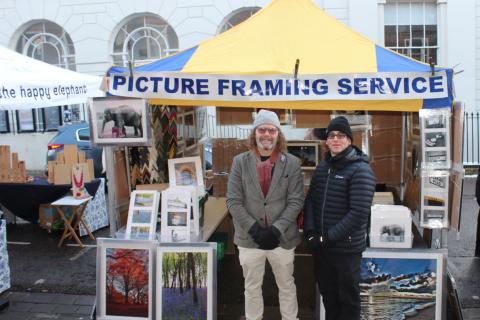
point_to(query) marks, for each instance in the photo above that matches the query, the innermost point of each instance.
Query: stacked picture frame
(435, 136)
(142, 279)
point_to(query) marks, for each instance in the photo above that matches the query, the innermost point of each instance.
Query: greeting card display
(142, 215)
(176, 207)
(434, 199)
(435, 138)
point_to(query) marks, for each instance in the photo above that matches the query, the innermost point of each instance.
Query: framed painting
(142, 215)
(176, 207)
(125, 279)
(186, 281)
(119, 121)
(185, 171)
(401, 284)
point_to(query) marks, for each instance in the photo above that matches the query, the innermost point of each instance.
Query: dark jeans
(338, 279)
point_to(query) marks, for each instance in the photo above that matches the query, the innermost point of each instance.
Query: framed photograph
(391, 227)
(186, 281)
(142, 215)
(401, 284)
(125, 279)
(435, 138)
(176, 207)
(434, 202)
(306, 151)
(185, 171)
(119, 121)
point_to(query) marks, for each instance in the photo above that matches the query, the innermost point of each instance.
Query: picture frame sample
(435, 138)
(125, 273)
(194, 295)
(119, 121)
(185, 171)
(142, 215)
(390, 227)
(306, 151)
(434, 199)
(176, 207)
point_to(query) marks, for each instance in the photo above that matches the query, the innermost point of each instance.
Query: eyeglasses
(271, 131)
(339, 136)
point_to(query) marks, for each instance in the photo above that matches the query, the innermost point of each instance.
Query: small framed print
(176, 207)
(306, 151)
(435, 138)
(185, 171)
(434, 199)
(119, 121)
(125, 272)
(142, 215)
(194, 295)
(390, 227)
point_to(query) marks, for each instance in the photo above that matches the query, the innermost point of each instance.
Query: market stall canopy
(26, 83)
(292, 55)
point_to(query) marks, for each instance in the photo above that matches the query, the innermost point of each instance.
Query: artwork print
(127, 282)
(185, 174)
(185, 286)
(399, 288)
(307, 153)
(185, 171)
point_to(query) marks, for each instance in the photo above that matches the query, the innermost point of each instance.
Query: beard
(266, 144)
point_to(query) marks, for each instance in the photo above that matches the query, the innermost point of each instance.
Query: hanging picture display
(176, 207)
(186, 281)
(142, 215)
(125, 279)
(119, 121)
(434, 199)
(435, 138)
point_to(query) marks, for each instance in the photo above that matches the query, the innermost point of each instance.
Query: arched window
(48, 42)
(144, 38)
(237, 17)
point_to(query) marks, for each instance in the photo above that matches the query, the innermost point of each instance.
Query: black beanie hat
(340, 124)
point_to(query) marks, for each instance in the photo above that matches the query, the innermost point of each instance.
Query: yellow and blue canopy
(291, 55)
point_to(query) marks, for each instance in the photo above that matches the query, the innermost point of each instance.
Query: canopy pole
(402, 157)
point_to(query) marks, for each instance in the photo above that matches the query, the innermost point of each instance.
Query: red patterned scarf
(264, 170)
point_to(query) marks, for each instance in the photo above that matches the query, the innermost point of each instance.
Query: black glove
(256, 232)
(270, 239)
(313, 239)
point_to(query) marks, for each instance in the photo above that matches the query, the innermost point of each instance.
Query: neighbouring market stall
(318, 65)
(26, 83)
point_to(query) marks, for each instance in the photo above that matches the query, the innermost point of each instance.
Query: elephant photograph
(119, 121)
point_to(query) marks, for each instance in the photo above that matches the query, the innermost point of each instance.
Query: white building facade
(90, 35)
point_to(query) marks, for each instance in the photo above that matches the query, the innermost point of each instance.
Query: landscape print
(398, 288)
(127, 282)
(184, 285)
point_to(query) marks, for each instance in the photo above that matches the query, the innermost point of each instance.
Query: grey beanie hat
(266, 117)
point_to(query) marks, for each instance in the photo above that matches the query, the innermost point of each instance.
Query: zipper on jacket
(324, 200)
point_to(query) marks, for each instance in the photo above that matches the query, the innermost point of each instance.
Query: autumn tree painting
(127, 277)
(184, 285)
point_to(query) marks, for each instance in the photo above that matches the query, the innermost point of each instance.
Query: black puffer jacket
(339, 200)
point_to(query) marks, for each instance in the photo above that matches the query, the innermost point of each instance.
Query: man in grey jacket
(264, 197)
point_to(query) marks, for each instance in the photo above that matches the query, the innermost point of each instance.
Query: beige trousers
(253, 264)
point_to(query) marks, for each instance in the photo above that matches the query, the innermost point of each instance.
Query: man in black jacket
(336, 213)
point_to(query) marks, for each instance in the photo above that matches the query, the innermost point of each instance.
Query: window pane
(52, 118)
(430, 13)
(390, 14)
(431, 35)
(417, 36)
(403, 13)
(417, 13)
(25, 120)
(4, 121)
(403, 36)
(418, 54)
(390, 36)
